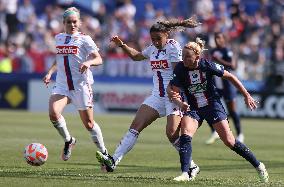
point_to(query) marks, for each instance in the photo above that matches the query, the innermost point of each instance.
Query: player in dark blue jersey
(222, 55)
(194, 76)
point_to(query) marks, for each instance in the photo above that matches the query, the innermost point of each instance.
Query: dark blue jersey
(227, 89)
(224, 54)
(198, 84)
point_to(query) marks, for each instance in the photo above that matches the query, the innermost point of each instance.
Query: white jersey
(161, 62)
(71, 51)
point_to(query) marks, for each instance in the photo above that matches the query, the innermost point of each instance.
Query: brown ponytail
(175, 25)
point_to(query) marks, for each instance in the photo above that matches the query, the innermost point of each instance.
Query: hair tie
(69, 12)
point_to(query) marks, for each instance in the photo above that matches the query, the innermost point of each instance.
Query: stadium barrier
(123, 93)
(119, 96)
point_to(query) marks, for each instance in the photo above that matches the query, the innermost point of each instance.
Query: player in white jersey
(75, 54)
(163, 54)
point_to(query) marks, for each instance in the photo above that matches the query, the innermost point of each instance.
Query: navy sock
(237, 123)
(242, 150)
(212, 129)
(185, 152)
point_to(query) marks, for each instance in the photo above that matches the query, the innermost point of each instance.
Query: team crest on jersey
(67, 39)
(66, 49)
(172, 42)
(195, 77)
(162, 52)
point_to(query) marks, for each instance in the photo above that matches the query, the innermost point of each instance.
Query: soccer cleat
(241, 138)
(193, 171)
(262, 173)
(184, 177)
(66, 154)
(106, 160)
(214, 136)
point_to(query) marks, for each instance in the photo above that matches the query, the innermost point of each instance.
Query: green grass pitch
(152, 162)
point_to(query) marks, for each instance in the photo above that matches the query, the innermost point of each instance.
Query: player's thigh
(57, 103)
(232, 106)
(225, 133)
(144, 117)
(173, 127)
(87, 117)
(82, 98)
(189, 125)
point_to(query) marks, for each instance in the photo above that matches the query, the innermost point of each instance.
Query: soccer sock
(125, 145)
(237, 123)
(242, 150)
(61, 127)
(185, 152)
(176, 144)
(97, 137)
(212, 129)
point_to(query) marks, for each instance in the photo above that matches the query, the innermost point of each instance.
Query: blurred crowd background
(254, 31)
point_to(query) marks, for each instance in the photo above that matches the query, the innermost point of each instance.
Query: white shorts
(162, 105)
(82, 98)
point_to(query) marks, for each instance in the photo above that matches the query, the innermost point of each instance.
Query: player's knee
(89, 125)
(53, 116)
(138, 125)
(172, 136)
(229, 142)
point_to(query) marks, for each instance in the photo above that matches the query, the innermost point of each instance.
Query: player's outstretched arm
(250, 102)
(46, 78)
(132, 53)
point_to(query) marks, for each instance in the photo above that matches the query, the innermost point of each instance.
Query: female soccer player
(222, 55)
(163, 54)
(195, 77)
(75, 54)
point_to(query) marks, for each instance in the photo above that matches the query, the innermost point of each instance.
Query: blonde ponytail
(197, 46)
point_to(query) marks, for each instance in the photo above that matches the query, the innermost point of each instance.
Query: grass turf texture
(152, 162)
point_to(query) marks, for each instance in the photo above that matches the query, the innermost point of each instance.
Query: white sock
(177, 147)
(192, 164)
(97, 137)
(61, 127)
(125, 145)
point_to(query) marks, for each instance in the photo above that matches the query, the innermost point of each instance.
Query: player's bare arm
(95, 59)
(46, 78)
(173, 94)
(132, 53)
(250, 102)
(224, 62)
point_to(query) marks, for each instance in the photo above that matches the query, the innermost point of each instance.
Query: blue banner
(13, 94)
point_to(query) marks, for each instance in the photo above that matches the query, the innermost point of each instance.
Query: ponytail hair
(175, 25)
(197, 46)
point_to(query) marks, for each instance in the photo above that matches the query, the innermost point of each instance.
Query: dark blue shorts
(212, 113)
(229, 91)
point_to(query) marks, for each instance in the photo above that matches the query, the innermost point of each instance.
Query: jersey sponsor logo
(198, 88)
(159, 64)
(66, 49)
(219, 66)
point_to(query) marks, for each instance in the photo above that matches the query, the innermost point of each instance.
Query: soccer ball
(35, 154)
